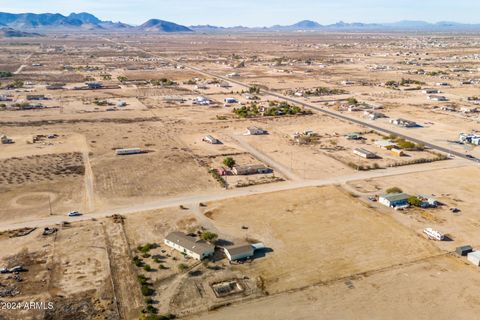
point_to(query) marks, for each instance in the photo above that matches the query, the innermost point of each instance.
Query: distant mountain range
(81, 21)
(28, 24)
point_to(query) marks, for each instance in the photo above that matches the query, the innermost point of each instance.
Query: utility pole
(50, 205)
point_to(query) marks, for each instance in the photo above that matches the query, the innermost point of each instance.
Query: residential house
(251, 169)
(471, 138)
(394, 200)
(253, 131)
(230, 100)
(437, 98)
(354, 136)
(197, 249)
(404, 123)
(385, 144)
(210, 139)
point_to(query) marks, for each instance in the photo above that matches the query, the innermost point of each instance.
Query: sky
(257, 13)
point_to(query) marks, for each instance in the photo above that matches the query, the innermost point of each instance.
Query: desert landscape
(241, 175)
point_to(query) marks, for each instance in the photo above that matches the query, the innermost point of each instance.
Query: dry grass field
(331, 254)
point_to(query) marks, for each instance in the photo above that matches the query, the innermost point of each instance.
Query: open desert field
(114, 141)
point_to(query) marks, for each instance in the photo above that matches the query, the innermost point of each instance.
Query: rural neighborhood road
(227, 194)
(266, 159)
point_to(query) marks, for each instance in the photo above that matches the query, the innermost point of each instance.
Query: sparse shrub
(394, 190)
(182, 267)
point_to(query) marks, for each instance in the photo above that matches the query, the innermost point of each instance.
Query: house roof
(189, 243)
(251, 167)
(395, 196)
(363, 151)
(240, 249)
(385, 143)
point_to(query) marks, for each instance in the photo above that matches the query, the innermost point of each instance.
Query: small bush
(182, 267)
(394, 190)
(147, 291)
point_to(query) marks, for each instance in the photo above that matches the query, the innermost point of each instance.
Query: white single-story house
(197, 249)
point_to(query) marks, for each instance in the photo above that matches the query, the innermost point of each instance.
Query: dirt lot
(332, 253)
(429, 288)
(333, 224)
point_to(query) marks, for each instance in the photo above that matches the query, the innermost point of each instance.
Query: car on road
(74, 214)
(469, 156)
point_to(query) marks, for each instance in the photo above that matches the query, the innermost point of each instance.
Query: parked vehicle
(74, 214)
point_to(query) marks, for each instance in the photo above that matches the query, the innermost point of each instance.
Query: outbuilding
(364, 153)
(474, 257)
(464, 250)
(128, 151)
(394, 200)
(239, 252)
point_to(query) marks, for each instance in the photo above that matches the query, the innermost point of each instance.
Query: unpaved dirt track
(227, 194)
(266, 159)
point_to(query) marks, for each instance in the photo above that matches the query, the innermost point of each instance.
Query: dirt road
(89, 191)
(227, 194)
(265, 159)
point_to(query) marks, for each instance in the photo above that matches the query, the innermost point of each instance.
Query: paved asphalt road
(339, 116)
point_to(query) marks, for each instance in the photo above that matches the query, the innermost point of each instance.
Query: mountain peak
(157, 25)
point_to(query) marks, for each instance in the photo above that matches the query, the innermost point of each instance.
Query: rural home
(201, 100)
(230, 100)
(404, 123)
(471, 138)
(437, 98)
(239, 252)
(210, 139)
(385, 144)
(394, 200)
(364, 153)
(253, 131)
(197, 249)
(428, 201)
(354, 136)
(253, 169)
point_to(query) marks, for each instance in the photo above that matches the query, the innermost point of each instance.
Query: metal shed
(464, 250)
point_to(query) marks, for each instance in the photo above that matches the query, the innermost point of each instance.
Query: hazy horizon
(251, 13)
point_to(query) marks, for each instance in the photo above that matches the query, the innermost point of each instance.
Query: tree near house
(229, 162)
(209, 236)
(414, 201)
